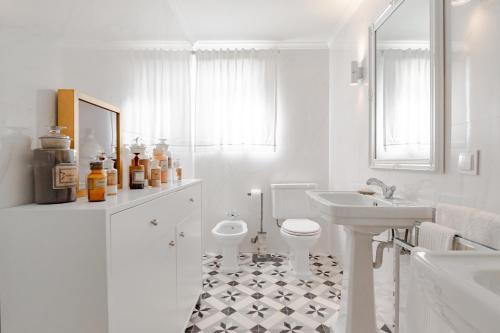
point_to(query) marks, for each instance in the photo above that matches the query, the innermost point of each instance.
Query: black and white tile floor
(262, 297)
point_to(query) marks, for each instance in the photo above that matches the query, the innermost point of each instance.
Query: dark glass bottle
(136, 174)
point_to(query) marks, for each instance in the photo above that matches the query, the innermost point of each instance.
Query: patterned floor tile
(264, 298)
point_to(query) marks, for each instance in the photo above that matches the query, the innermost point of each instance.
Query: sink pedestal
(363, 217)
(357, 311)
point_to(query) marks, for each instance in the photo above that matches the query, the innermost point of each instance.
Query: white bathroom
(232, 166)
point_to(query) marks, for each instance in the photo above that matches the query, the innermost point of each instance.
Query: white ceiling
(91, 20)
(410, 21)
(278, 20)
(175, 20)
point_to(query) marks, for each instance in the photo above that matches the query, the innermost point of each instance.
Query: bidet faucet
(232, 214)
(387, 191)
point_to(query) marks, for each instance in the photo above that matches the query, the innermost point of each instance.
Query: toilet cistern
(387, 191)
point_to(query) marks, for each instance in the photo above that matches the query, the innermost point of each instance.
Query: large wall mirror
(406, 86)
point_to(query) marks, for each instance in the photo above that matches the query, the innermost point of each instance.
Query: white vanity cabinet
(130, 264)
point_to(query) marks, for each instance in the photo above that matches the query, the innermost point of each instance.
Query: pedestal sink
(363, 216)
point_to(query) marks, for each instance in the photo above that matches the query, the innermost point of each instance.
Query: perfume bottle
(136, 174)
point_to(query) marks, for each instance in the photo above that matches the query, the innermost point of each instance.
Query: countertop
(125, 199)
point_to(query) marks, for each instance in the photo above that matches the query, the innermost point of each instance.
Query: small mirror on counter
(94, 126)
(97, 136)
(406, 86)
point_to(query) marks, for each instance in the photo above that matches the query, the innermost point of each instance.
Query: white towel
(474, 224)
(436, 237)
(484, 228)
(453, 216)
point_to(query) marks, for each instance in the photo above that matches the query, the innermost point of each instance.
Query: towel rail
(405, 246)
(459, 242)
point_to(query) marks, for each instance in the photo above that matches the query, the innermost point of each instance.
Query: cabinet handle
(191, 199)
(172, 243)
(182, 234)
(154, 222)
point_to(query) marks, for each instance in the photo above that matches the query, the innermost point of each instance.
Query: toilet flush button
(468, 163)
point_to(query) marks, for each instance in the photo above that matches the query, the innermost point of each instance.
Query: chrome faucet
(387, 191)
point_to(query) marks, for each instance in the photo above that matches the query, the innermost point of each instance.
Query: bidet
(229, 234)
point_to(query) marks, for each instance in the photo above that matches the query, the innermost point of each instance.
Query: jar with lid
(136, 174)
(96, 182)
(144, 160)
(160, 154)
(55, 169)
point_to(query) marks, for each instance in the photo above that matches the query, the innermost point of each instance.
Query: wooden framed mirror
(94, 128)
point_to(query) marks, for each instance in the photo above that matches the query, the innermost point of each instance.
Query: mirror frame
(68, 111)
(436, 161)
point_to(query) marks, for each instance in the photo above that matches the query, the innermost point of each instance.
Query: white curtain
(404, 97)
(235, 100)
(158, 98)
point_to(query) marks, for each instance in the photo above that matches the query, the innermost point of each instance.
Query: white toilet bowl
(229, 234)
(300, 235)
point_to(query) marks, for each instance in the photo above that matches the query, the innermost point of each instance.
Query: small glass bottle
(159, 154)
(178, 170)
(144, 160)
(112, 177)
(136, 174)
(164, 171)
(155, 180)
(96, 182)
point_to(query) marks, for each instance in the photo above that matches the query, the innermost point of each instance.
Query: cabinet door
(189, 269)
(143, 274)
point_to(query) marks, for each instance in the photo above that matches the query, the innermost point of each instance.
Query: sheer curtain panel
(236, 100)
(158, 101)
(406, 102)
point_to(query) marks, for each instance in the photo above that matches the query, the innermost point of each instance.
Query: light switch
(467, 163)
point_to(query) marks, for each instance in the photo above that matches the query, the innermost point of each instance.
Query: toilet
(290, 203)
(228, 234)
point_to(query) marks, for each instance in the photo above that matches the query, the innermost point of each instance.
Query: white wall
(472, 118)
(302, 152)
(29, 74)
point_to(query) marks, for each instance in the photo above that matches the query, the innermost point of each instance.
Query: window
(234, 95)
(235, 99)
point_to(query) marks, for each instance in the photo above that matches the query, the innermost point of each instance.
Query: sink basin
(352, 208)
(363, 216)
(490, 280)
(461, 288)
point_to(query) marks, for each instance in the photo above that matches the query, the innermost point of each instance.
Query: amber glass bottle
(96, 182)
(136, 174)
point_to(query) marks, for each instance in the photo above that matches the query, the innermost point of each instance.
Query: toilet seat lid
(301, 227)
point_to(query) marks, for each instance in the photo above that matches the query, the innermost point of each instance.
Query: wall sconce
(357, 73)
